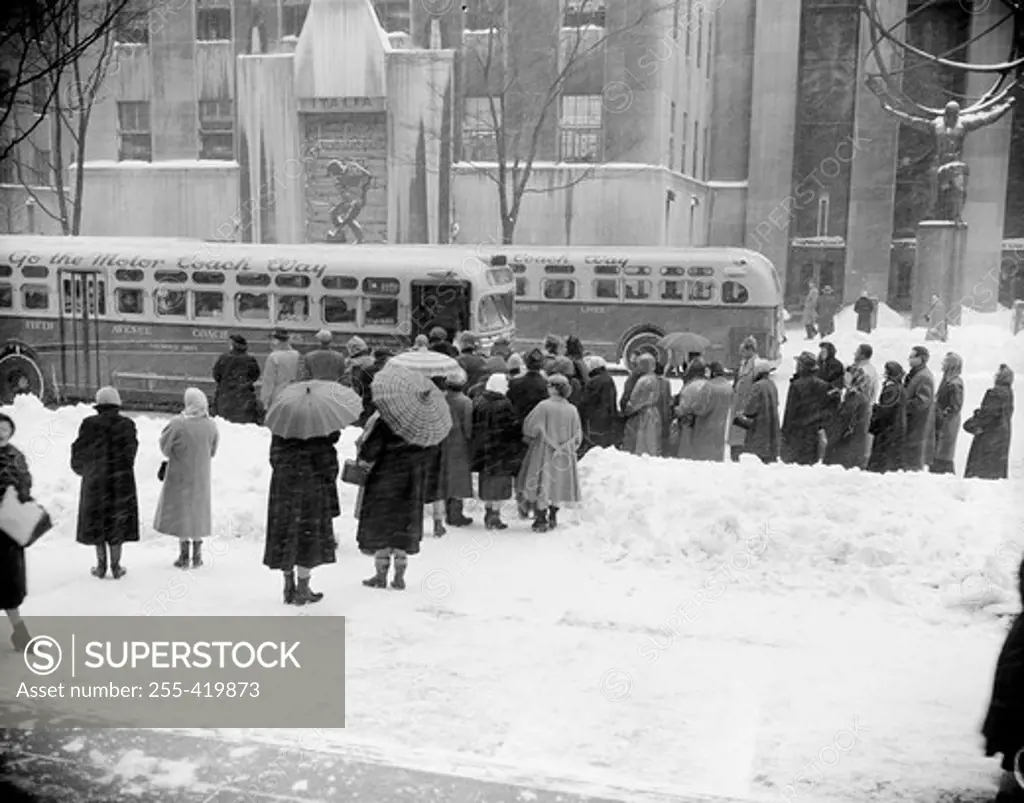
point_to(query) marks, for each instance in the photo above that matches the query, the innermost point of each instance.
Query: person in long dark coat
(458, 474)
(599, 411)
(103, 455)
(889, 422)
(828, 306)
(574, 351)
(1003, 728)
(847, 441)
(13, 580)
(805, 405)
(865, 309)
(526, 392)
(992, 428)
(497, 436)
(919, 442)
(236, 374)
(761, 415)
(301, 509)
(949, 402)
(391, 501)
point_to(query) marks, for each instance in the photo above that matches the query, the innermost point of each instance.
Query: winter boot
(289, 588)
(197, 554)
(540, 522)
(456, 516)
(439, 529)
(117, 571)
(401, 562)
(552, 517)
(492, 520)
(20, 637)
(183, 556)
(382, 563)
(100, 569)
(304, 595)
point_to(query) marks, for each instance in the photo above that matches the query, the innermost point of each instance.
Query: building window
(479, 130)
(41, 168)
(579, 136)
(696, 148)
(672, 137)
(213, 24)
(216, 130)
(686, 129)
(293, 15)
(704, 156)
(823, 215)
(584, 12)
(675, 19)
(136, 142)
(700, 33)
(711, 44)
(132, 28)
(689, 25)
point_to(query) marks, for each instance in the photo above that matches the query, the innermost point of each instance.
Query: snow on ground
(744, 630)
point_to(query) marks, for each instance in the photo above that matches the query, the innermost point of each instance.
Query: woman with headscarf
(565, 367)
(184, 511)
(458, 474)
(949, 402)
(991, 426)
(103, 455)
(14, 473)
(741, 389)
(848, 436)
(496, 448)
(691, 402)
(760, 417)
(889, 422)
(643, 411)
(548, 476)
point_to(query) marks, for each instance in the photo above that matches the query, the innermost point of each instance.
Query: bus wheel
(19, 373)
(637, 343)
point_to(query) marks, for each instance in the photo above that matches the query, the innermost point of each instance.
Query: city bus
(151, 316)
(621, 301)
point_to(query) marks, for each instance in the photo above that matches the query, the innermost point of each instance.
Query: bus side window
(672, 290)
(636, 289)
(128, 300)
(701, 290)
(252, 306)
(559, 289)
(380, 311)
(6, 270)
(521, 285)
(293, 308)
(734, 293)
(606, 288)
(208, 304)
(35, 296)
(6, 296)
(338, 310)
(171, 303)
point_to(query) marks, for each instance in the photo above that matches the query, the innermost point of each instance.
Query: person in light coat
(949, 403)
(711, 417)
(184, 511)
(283, 366)
(643, 410)
(549, 476)
(760, 416)
(456, 463)
(741, 387)
(323, 362)
(691, 400)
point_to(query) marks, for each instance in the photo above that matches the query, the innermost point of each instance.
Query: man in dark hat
(283, 366)
(236, 374)
(526, 392)
(470, 360)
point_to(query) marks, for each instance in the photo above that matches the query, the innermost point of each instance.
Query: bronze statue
(949, 173)
(353, 182)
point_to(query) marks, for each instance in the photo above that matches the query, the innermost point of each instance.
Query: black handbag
(162, 471)
(355, 472)
(742, 422)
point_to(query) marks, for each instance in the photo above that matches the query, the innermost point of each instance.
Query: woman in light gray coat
(189, 442)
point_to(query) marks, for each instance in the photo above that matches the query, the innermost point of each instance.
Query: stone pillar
(873, 170)
(773, 129)
(939, 265)
(271, 167)
(173, 107)
(987, 152)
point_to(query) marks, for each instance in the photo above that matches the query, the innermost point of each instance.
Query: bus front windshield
(496, 311)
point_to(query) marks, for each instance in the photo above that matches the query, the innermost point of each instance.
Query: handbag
(743, 422)
(972, 426)
(23, 522)
(162, 471)
(355, 472)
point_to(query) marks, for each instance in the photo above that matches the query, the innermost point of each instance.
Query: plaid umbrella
(313, 409)
(411, 405)
(428, 363)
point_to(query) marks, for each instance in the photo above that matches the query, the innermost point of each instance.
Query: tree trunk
(508, 230)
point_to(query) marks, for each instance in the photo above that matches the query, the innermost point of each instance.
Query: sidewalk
(168, 767)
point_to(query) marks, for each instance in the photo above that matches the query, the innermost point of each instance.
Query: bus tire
(639, 341)
(17, 358)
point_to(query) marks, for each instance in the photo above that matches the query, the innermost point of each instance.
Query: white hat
(324, 336)
(497, 383)
(108, 395)
(456, 376)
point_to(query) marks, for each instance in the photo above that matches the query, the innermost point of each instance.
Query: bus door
(443, 302)
(82, 301)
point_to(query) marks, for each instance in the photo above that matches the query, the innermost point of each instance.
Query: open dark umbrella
(313, 409)
(411, 405)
